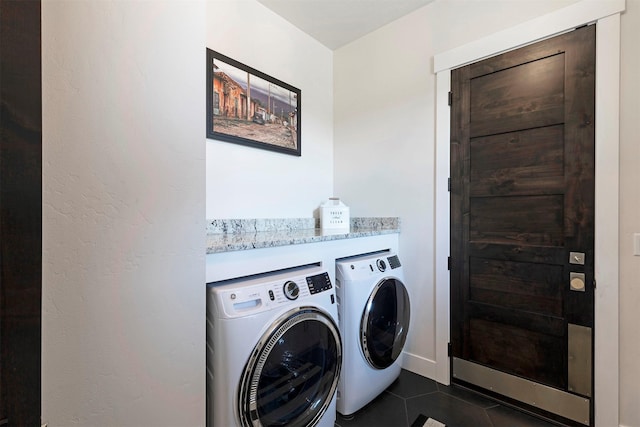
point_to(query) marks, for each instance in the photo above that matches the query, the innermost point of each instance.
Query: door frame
(606, 342)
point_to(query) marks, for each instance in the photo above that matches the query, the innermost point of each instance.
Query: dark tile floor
(412, 395)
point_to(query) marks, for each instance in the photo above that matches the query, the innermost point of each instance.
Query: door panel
(531, 354)
(532, 220)
(516, 285)
(522, 199)
(530, 161)
(521, 97)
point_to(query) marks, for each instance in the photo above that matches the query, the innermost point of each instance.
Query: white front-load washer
(274, 351)
(374, 313)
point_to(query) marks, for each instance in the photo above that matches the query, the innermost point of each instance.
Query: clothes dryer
(374, 313)
(274, 350)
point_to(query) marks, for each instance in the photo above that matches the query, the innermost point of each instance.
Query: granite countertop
(227, 235)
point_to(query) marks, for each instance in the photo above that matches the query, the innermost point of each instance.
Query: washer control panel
(292, 289)
(319, 283)
(242, 297)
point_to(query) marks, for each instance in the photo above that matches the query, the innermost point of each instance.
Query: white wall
(383, 148)
(629, 216)
(123, 213)
(244, 182)
(385, 111)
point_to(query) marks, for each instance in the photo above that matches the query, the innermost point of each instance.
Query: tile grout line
(406, 411)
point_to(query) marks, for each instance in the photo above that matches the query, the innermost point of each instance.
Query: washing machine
(374, 313)
(274, 350)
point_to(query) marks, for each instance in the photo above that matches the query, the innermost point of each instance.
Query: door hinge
(450, 98)
(448, 349)
(594, 283)
(449, 263)
(449, 184)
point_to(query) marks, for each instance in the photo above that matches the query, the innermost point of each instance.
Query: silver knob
(291, 290)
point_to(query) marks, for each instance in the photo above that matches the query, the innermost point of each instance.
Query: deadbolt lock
(576, 258)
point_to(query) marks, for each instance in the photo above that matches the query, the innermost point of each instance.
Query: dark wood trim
(20, 212)
(459, 212)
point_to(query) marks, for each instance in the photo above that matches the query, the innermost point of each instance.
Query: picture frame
(248, 107)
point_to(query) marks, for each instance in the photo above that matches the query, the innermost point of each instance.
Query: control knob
(291, 290)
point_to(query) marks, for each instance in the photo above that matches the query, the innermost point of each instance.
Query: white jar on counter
(334, 215)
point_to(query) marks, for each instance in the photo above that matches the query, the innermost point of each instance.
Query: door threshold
(540, 398)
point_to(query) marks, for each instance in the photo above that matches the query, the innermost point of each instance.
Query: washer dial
(291, 290)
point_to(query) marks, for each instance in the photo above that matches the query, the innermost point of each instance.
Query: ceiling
(335, 23)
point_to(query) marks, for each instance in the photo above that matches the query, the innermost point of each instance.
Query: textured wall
(123, 213)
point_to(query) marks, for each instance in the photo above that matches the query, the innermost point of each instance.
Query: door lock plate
(577, 282)
(576, 258)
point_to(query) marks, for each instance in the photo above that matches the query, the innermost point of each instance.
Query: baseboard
(419, 365)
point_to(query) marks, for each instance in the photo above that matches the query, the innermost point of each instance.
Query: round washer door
(385, 323)
(293, 371)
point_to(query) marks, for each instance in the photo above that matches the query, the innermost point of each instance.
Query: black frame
(249, 114)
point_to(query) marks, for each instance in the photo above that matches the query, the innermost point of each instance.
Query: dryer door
(385, 323)
(292, 374)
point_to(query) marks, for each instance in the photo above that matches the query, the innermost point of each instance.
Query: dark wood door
(20, 213)
(522, 223)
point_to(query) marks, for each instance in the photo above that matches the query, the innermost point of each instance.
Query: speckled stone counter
(227, 235)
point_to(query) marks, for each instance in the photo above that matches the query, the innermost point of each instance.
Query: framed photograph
(247, 107)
